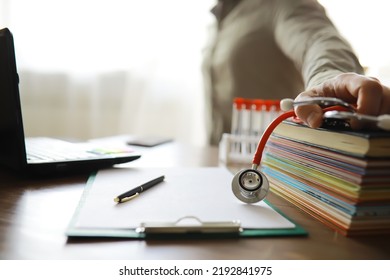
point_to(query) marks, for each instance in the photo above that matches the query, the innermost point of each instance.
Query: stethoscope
(251, 185)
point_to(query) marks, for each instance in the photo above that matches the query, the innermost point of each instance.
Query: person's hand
(368, 94)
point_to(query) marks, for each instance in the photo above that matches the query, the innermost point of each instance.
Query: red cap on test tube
(272, 105)
(248, 104)
(238, 102)
(276, 104)
(259, 104)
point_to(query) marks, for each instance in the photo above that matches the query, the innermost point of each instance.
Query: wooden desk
(35, 213)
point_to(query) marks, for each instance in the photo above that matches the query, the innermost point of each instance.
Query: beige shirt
(269, 49)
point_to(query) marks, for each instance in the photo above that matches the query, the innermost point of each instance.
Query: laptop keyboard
(47, 150)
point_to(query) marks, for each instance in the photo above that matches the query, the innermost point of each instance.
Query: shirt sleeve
(308, 37)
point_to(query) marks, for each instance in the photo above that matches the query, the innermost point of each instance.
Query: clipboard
(209, 208)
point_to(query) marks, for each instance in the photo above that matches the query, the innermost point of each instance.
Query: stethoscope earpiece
(250, 185)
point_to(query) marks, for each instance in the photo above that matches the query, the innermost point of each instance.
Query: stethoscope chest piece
(250, 185)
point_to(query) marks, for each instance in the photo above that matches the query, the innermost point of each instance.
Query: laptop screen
(12, 141)
(11, 126)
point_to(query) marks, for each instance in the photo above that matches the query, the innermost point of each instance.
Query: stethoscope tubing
(271, 127)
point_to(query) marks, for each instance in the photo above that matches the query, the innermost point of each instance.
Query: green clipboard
(186, 226)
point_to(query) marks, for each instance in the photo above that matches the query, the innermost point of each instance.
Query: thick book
(358, 143)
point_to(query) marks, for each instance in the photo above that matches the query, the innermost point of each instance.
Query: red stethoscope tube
(268, 131)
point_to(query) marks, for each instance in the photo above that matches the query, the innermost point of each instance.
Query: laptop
(42, 155)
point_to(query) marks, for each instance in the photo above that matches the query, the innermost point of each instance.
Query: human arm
(327, 62)
(307, 36)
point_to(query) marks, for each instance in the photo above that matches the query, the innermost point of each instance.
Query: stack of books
(340, 177)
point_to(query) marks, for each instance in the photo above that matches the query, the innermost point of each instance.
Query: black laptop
(41, 155)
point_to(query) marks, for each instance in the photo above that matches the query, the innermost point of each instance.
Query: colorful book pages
(348, 193)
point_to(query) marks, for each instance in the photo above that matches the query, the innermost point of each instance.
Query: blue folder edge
(72, 231)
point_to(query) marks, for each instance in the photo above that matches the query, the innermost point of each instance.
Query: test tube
(257, 117)
(236, 129)
(247, 126)
(274, 110)
(257, 121)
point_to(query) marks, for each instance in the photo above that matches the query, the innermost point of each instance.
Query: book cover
(357, 143)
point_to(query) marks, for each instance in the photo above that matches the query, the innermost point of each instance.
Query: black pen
(136, 191)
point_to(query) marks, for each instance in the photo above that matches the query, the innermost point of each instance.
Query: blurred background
(97, 68)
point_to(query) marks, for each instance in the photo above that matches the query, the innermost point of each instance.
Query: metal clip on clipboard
(190, 225)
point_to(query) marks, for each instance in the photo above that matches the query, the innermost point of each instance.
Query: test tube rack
(250, 118)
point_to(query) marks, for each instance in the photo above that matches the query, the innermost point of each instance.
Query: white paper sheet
(202, 192)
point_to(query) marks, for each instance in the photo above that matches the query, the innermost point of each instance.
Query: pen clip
(127, 198)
